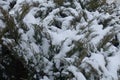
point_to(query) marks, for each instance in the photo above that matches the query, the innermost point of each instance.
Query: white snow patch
(114, 65)
(58, 37)
(76, 73)
(30, 19)
(35, 47)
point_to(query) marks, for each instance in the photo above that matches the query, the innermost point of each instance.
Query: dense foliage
(59, 40)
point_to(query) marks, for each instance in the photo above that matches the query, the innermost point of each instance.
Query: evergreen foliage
(59, 40)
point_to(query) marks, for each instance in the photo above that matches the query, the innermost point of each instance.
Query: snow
(66, 22)
(98, 61)
(30, 19)
(117, 1)
(113, 1)
(50, 54)
(65, 48)
(62, 35)
(35, 47)
(45, 46)
(75, 72)
(110, 1)
(100, 32)
(114, 65)
(2, 25)
(45, 78)
(4, 4)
